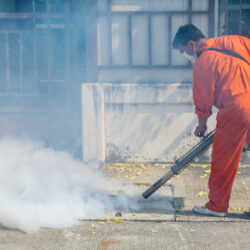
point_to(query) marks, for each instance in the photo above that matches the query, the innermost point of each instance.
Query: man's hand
(202, 126)
(246, 147)
(200, 130)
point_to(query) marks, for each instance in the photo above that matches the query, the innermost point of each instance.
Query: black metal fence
(234, 17)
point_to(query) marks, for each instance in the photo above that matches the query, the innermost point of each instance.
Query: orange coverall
(224, 81)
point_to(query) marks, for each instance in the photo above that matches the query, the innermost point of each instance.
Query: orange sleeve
(203, 89)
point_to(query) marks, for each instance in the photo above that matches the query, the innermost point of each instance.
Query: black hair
(186, 33)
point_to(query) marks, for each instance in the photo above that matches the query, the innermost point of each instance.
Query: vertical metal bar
(35, 88)
(7, 50)
(21, 61)
(169, 39)
(75, 61)
(240, 27)
(216, 18)
(67, 51)
(130, 40)
(226, 17)
(190, 6)
(189, 11)
(211, 9)
(110, 32)
(91, 44)
(49, 54)
(150, 39)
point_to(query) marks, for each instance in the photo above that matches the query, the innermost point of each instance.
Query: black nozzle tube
(181, 164)
(158, 184)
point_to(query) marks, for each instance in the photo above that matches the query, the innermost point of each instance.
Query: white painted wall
(137, 122)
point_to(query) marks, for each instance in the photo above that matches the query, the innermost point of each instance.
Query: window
(33, 45)
(234, 17)
(139, 33)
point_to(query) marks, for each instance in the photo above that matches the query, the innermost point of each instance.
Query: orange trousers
(232, 130)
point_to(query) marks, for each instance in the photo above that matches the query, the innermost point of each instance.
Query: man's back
(217, 76)
(235, 43)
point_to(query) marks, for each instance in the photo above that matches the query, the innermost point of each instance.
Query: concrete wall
(139, 109)
(137, 122)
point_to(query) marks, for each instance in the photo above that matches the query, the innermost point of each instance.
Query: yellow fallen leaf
(93, 232)
(246, 188)
(110, 166)
(207, 171)
(164, 166)
(176, 176)
(180, 209)
(154, 231)
(169, 181)
(107, 218)
(139, 173)
(203, 165)
(244, 209)
(143, 167)
(117, 220)
(233, 208)
(134, 214)
(141, 186)
(194, 165)
(192, 230)
(201, 193)
(132, 178)
(157, 165)
(159, 175)
(100, 222)
(203, 176)
(94, 226)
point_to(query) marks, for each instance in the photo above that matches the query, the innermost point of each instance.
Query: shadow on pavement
(189, 213)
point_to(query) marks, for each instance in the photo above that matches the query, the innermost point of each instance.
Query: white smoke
(40, 187)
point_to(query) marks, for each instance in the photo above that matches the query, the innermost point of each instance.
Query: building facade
(50, 47)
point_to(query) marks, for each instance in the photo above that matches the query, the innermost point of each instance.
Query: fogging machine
(182, 163)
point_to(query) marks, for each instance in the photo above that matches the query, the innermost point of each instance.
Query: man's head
(187, 39)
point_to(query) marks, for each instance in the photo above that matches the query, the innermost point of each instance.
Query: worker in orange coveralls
(221, 77)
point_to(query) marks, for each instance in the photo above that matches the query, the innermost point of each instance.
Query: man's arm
(203, 94)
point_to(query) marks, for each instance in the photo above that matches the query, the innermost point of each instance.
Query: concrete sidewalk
(134, 235)
(177, 229)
